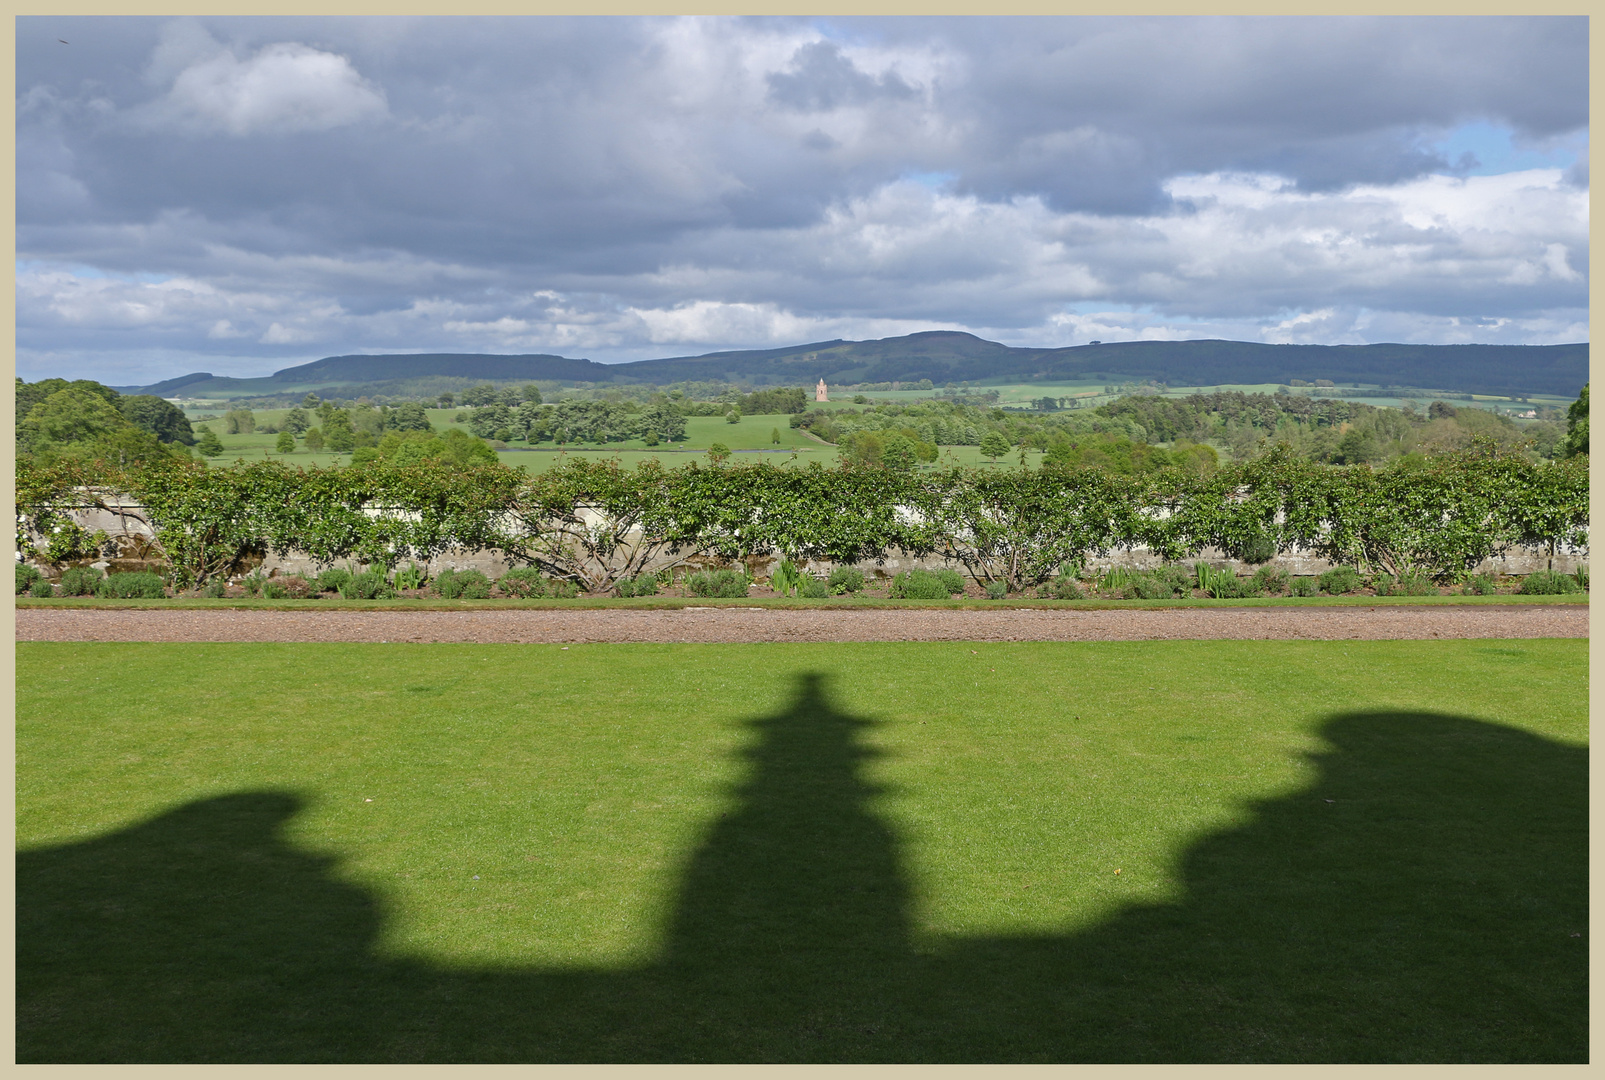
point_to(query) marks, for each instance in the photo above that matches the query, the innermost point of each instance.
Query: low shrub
(142, 585)
(1177, 576)
(253, 582)
(373, 585)
(644, 585)
(1340, 580)
(524, 582)
(332, 580)
(80, 581)
(1581, 578)
(1224, 584)
(215, 589)
(1416, 584)
(997, 590)
(1478, 585)
(411, 578)
(41, 589)
(562, 589)
(845, 579)
(786, 578)
(1548, 583)
(1303, 586)
(926, 585)
(462, 585)
(1066, 588)
(813, 588)
(723, 584)
(1147, 587)
(1271, 581)
(275, 590)
(27, 574)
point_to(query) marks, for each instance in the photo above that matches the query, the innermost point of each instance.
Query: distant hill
(948, 356)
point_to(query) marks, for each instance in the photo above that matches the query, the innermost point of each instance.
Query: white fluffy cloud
(282, 88)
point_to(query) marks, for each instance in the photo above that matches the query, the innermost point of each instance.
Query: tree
(338, 432)
(285, 442)
(68, 417)
(210, 445)
(532, 394)
(314, 439)
(994, 444)
(1577, 425)
(296, 421)
(718, 453)
(158, 416)
(774, 436)
(446, 400)
(410, 416)
(310, 401)
(239, 422)
(898, 452)
(733, 416)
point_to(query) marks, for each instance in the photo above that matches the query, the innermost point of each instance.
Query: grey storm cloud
(254, 191)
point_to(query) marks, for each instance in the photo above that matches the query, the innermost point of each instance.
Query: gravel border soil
(767, 624)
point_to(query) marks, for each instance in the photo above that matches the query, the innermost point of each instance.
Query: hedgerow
(595, 524)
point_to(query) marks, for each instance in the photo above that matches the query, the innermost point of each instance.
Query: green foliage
(239, 422)
(313, 440)
(1548, 583)
(462, 584)
(521, 581)
(141, 585)
(1478, 585)
(373, 585)
(1224, 584)
(27, 574)
(786, 578)
(844, 580)
(718, 453)
(413, 577)
(1148, 586)
(1066, 587)
(994, 444)
(997, 590)
(274, 590)
(1340, 580)
(215, 589)
(41, 589)
(562, 589)
(725, 584)
(926, 585)
(211, 446)
(1271, 581)
(813, 588)
(1407, 584)
(254, 582)
(1303, 586)
(1576, 442)
(285, 442)
(332, 580)
(80, 581)
(642, 585)
(158, 416)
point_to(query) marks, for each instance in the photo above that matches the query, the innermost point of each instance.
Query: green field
(1145, 851)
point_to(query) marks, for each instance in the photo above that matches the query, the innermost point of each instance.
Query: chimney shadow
(1416, 903)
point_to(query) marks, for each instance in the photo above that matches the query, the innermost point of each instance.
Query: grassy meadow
(1141, 851)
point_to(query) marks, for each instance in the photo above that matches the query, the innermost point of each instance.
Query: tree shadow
(1417, 902)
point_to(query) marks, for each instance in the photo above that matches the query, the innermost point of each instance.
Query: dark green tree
(158, 416)
(1577, 425)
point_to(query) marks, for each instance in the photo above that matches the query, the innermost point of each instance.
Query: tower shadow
(1417, 902)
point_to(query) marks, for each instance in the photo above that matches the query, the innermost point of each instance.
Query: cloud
(620, 187)
(282, 88)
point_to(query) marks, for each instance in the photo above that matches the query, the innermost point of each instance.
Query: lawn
(1145, 851)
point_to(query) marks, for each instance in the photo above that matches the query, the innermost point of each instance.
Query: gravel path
(760, 624)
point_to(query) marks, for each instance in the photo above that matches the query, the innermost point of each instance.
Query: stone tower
(819, 391)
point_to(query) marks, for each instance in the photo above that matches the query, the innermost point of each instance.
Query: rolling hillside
(945, 356)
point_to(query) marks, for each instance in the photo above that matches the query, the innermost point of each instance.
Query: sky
(238, 195)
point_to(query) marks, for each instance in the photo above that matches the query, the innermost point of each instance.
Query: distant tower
(819, 391)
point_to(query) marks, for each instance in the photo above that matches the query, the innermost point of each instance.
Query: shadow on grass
(1419, 902)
